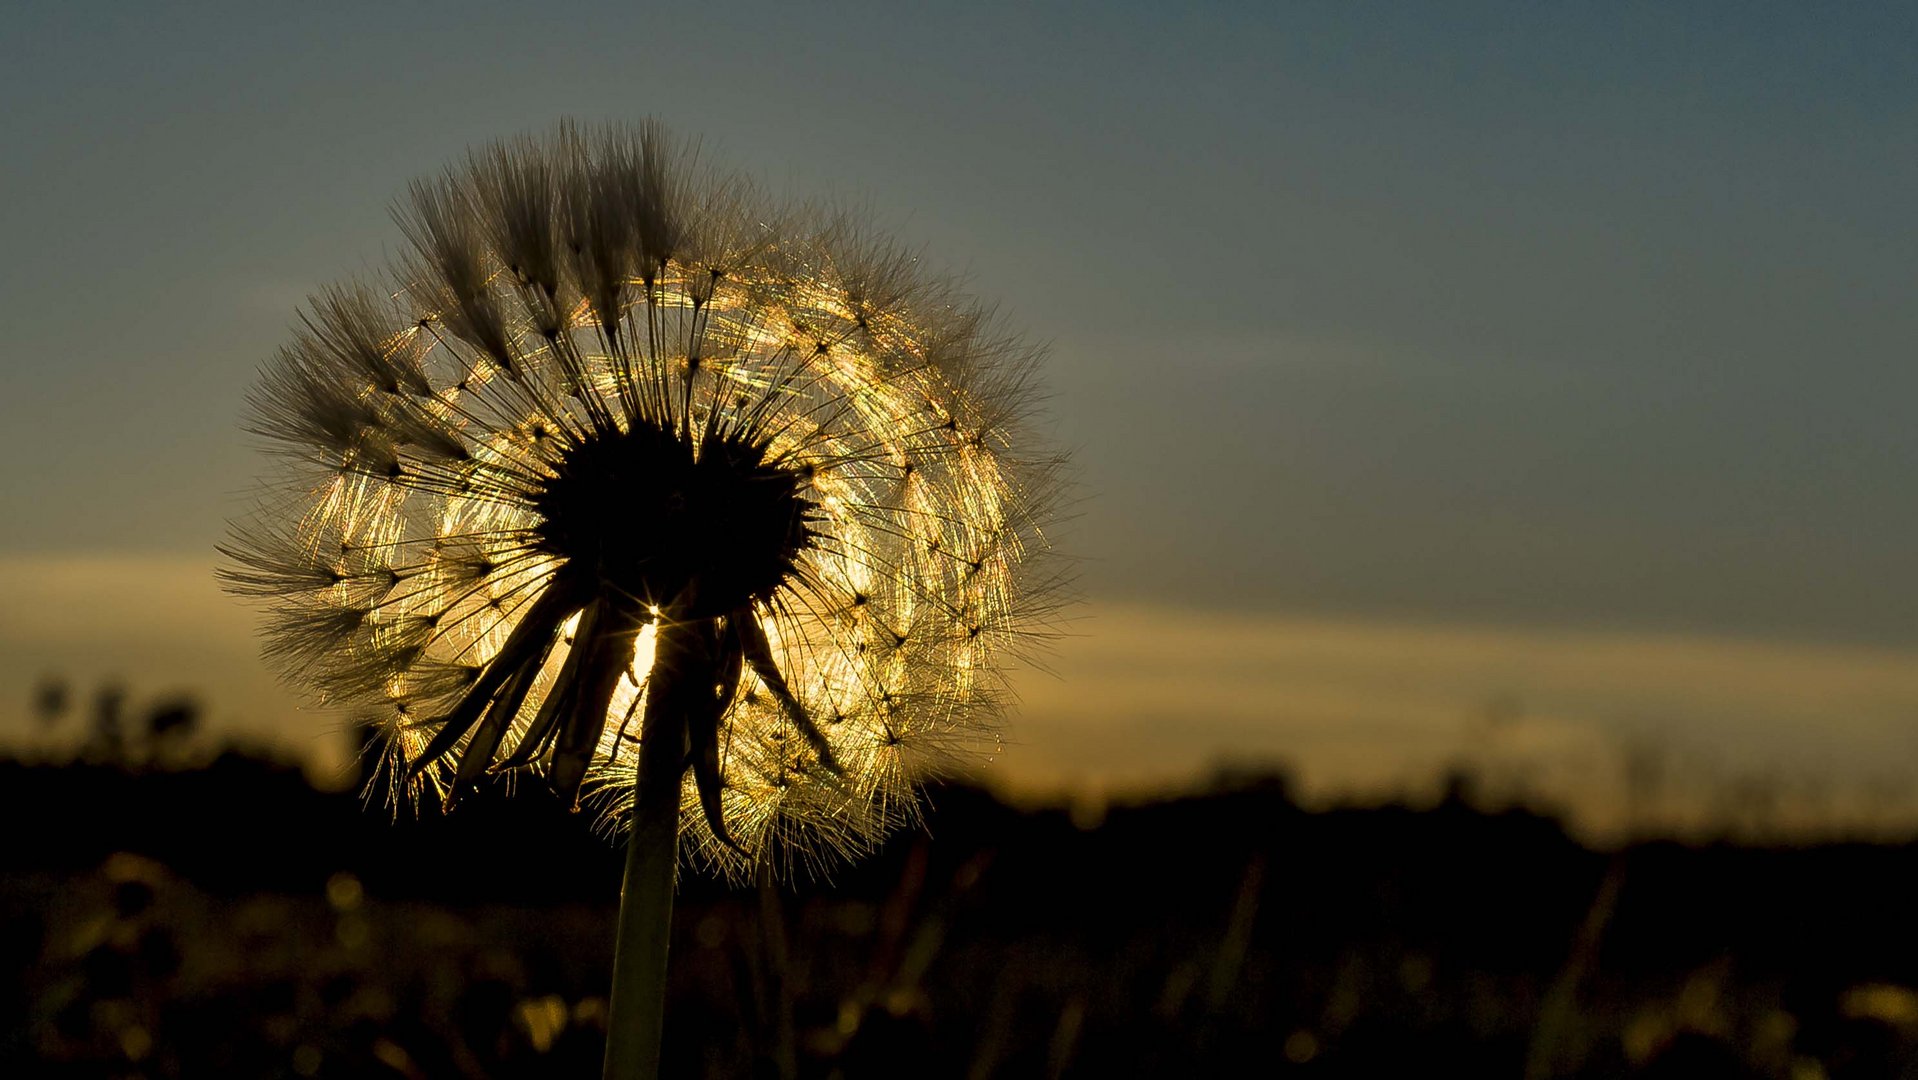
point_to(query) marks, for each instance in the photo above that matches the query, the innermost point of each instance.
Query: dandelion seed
(619, 438)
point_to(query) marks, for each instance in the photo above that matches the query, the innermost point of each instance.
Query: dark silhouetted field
(231, 921)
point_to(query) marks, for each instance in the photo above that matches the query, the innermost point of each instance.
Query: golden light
(554, 440)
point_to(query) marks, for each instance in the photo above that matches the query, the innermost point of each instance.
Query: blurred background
(1494, 442)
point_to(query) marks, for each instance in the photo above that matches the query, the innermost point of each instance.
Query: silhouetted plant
(107, 741)
(50, 700)
(622, 442)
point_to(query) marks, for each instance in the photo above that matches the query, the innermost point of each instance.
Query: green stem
(637, 1011)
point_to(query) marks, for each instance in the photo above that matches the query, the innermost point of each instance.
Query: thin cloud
(1145, 697)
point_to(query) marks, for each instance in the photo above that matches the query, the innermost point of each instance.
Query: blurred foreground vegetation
(181, 915)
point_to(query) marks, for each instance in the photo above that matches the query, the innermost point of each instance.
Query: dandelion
(630, 480)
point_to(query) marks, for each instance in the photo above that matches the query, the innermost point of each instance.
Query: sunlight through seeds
(611, 394)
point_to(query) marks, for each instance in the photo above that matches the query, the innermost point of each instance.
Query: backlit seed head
(617, 431)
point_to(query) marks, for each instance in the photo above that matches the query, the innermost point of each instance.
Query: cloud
(156, 624)
(1143, 696)
(1148, 696)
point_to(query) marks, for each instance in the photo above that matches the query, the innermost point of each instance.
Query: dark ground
(232, 922)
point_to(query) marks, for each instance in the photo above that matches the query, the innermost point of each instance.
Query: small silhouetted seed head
(616, 433)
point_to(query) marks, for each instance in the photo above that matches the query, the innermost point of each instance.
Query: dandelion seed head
(620, 432)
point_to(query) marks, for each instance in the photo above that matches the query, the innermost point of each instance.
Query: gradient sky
(1493, 327)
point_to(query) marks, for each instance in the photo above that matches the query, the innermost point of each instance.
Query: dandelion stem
(636, 1013)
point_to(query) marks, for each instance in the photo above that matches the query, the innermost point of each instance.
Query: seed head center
(709, 523)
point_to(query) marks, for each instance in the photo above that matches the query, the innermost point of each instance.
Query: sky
(1421, 364)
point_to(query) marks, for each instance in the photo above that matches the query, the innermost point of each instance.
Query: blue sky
(1562, 317)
